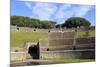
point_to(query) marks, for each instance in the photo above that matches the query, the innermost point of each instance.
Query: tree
(23, 21)
(75, 22)
(58, 25)
(47, 24)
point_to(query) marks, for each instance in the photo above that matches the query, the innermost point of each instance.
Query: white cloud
(44, 10)
(70, 11)
(82, 10)
(62, 11)
(65, 6)
(28, 4)
(57, 12)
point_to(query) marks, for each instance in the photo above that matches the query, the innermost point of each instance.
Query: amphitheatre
(51, 33)
(56, 44)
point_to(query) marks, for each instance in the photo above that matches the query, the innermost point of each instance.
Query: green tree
(47, 24)
(75, 22)
(58, 26)
(31, 22)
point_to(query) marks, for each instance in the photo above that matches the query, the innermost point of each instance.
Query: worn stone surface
(18, 56)
(83, 54)
(55, 35)
(68, 35)
(62, 42)
(65, 45)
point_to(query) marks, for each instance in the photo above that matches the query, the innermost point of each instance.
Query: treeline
(22, 21)
(72, 22)
(75, 22)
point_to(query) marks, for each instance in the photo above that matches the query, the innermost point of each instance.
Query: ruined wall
(28, 29)
(20, 29)
(68, 54)
(65, 45)
(17, 56)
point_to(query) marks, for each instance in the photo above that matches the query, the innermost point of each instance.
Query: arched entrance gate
(33, 50)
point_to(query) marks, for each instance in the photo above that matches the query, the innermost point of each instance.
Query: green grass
(19, 38)
(73, 60)
(82, 33)
(92, 34)
(57, 61)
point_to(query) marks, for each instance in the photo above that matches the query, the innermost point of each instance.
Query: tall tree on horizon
(76, 22)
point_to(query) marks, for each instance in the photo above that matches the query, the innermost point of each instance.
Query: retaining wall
(69, 54)
(17, 56)
(66, 45)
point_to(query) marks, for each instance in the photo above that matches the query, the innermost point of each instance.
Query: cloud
(43, 10)
(82, 10)
(56, 11)
(28, 4)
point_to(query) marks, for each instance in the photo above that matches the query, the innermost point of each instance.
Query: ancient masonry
(61, 45)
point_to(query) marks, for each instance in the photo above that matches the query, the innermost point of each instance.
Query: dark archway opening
(47, 49)
(34, 51)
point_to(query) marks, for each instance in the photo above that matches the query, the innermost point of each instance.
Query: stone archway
(34, 51)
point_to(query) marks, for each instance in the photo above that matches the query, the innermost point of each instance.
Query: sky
(58, 12)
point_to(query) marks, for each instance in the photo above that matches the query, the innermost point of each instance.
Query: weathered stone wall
(19, 29)
(83, 54)
(17, 56)
(61, 35)
(85, 40)
(65, 45)
(27, 29)
(29, 44)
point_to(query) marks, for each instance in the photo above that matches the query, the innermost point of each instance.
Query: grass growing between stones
(73, 60)
(19, 38)
(58, 61)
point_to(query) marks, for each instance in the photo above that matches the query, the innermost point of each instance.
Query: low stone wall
(81, 54)
(17, 56)
(85, 40)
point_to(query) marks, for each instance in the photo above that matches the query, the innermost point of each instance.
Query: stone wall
(66, 45)
(17, 56)
(69, 54)
(28, 29)
(61, 35)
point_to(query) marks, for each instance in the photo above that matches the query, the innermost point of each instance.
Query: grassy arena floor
(19, 38)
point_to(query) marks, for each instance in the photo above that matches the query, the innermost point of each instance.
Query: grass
(92, 34)
(57, 61)
(82, 33)
(73, 60)
(19, 38)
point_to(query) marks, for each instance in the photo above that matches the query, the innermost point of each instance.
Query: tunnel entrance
(34, 51)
